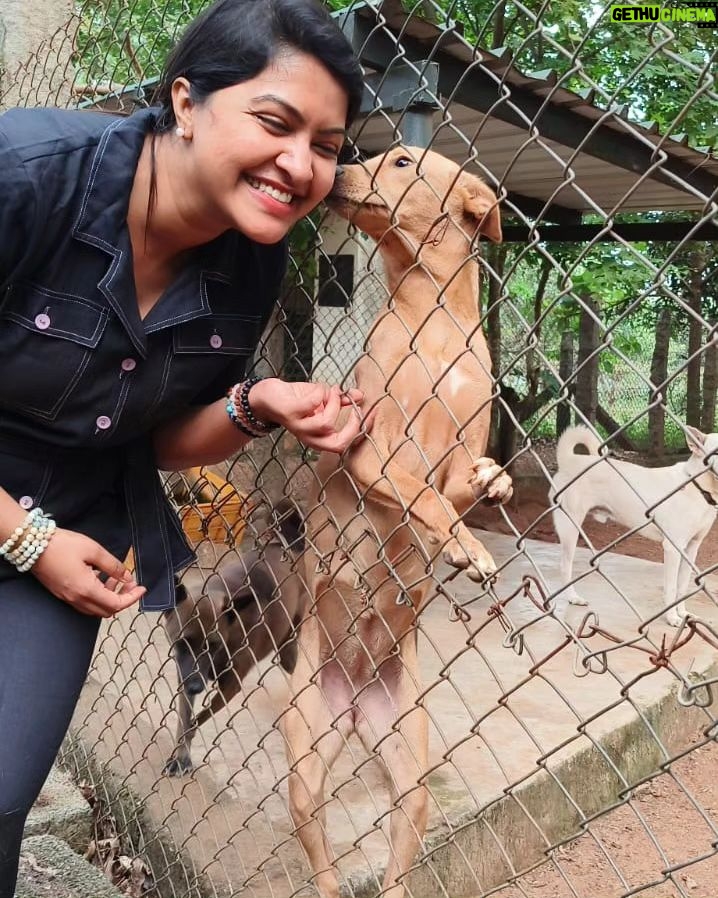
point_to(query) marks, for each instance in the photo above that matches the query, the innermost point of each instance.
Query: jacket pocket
(218, 335)
(47, 340)
(200, 351)
(24, 478)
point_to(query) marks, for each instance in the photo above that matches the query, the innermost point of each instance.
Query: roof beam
(631, 232)
(474, 86)
(533, 208)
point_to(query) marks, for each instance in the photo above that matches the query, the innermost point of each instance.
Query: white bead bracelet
(12, 541)
(36, 531)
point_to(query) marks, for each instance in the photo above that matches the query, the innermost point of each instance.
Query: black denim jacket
(83, 381)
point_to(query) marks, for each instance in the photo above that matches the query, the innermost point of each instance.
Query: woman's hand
(70, 567)
(310, 411)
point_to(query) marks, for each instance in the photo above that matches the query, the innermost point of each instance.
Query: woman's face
(264, 152)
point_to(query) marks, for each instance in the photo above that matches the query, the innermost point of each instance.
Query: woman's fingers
(308, 398)
(349, 432)
(312, 412)
(82, 573)
(325, 421)
(352, 397)
(105, 602)
(111, 583)
(119, 591)
(320, 430)
(106, 563)
(355, 399)
(339, 440)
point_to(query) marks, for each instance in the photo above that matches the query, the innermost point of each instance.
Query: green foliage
(302, 245)
(658, 72)
(120, 43)
(614, 276)
(661, 73)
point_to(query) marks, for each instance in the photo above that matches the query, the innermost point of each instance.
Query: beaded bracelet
(38, 530)
(37, 541)
(240, 411)
(235, 415)
(13, 539)
(254, 422)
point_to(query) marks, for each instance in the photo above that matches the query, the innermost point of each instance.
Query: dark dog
(250, 609)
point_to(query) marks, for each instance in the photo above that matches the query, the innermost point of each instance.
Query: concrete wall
(36, 41)
(339, 333)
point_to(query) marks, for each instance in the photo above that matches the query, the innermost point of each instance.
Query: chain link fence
(556, 751)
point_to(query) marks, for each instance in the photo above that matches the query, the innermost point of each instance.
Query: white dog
(674, 505)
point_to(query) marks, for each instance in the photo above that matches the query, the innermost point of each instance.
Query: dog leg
(180, 761)
(391, 485)
(686, 567)
(568, 533)
(671, 568)
(313, 740)
(306, 802)
(403, 748)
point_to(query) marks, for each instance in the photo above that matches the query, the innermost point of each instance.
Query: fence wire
(510, 742)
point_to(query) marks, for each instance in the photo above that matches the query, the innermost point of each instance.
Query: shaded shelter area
(555, 155)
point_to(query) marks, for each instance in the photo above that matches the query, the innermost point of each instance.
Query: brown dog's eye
(403, 161)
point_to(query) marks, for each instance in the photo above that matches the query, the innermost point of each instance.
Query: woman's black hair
(232, 41)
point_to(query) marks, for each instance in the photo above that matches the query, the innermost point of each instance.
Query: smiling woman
(256, 156)
(139, 261)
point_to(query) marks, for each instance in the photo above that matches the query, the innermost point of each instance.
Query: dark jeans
(45, 652)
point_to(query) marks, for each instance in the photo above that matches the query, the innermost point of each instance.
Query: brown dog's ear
(480, 203)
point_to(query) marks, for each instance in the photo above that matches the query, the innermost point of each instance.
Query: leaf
(140, 879)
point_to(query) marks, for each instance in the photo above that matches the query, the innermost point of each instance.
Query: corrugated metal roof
(543, 145)
(519, 152)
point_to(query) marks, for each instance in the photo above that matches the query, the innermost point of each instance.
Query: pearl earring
(179, 131)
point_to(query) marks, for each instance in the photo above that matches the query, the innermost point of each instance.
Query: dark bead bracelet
(252, 419)
(234, 416)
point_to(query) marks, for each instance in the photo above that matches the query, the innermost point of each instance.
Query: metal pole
(417, 126)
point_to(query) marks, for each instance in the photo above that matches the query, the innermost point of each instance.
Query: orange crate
(221, 513)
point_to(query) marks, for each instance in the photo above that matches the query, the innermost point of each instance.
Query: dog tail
(576, 436)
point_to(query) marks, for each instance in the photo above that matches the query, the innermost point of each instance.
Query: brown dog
(249, 610)
(394, 502)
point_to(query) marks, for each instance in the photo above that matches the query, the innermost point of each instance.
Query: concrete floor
(491, 720)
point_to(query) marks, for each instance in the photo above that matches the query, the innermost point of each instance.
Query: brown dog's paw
(178, 765)
(490, 482)
(469, 555)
